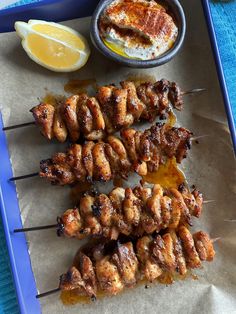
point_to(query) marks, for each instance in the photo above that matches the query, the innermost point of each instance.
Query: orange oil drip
(76, 86)
(118, 182)
(52, 99)
(166, 278)
(72, 297)
(194, 277)
(168, 175)
(171, 118)
(139, 79)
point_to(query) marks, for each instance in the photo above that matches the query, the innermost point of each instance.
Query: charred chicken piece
(175, 251)
(135, 151)
(111, 110)
(82, 278)
(130, 212)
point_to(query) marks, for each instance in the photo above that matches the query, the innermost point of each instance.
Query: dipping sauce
(137, 29)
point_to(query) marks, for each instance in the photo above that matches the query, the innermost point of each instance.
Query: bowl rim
(167, 56)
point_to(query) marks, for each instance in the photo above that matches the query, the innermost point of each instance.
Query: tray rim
(7, 188)
(50, 10)
(24, 282)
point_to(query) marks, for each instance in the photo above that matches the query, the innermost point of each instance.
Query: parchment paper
(210, 166)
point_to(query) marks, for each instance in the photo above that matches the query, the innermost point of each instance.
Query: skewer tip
(193, 91)
(215, 239)
(196, 138)
(208, 201)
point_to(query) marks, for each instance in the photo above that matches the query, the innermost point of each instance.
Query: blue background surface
(21, 2)
(224, 18)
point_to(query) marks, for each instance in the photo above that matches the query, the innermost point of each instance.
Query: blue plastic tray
(49, 10)
(19, 258)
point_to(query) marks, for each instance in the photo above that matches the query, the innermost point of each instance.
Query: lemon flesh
(54, 46)
(60, 34)
(52, 53)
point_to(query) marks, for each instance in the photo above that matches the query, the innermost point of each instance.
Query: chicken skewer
(139, 151)
(111, 110)
(95, 270)
(137, 211)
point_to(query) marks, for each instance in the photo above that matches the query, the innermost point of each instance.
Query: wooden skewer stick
(41, 295)
(36, 228)
(24, 177)
(16, 126)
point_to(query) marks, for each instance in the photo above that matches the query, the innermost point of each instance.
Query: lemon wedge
(54, 46)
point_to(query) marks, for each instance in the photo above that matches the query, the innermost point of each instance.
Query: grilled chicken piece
(150, 268)
(84, 115)
(103, 160)
(180, 202)
(88, 274)
(69, 113)
(102, 169)
(73, 223)
(163, 252)
(204, 246)
(108, 276)
(44, 116)
(91, 222)
(125, 265)
(128, 211)
(111, 110)
(120, 106)
(178, 252)
(96, 112)
(134, 105)
(150, 93)
(193, 258)
(59, 127)
(82, 279)
(72, 280)
(57, 171)
(193, 201)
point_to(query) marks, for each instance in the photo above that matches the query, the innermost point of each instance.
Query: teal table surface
(224, 18)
